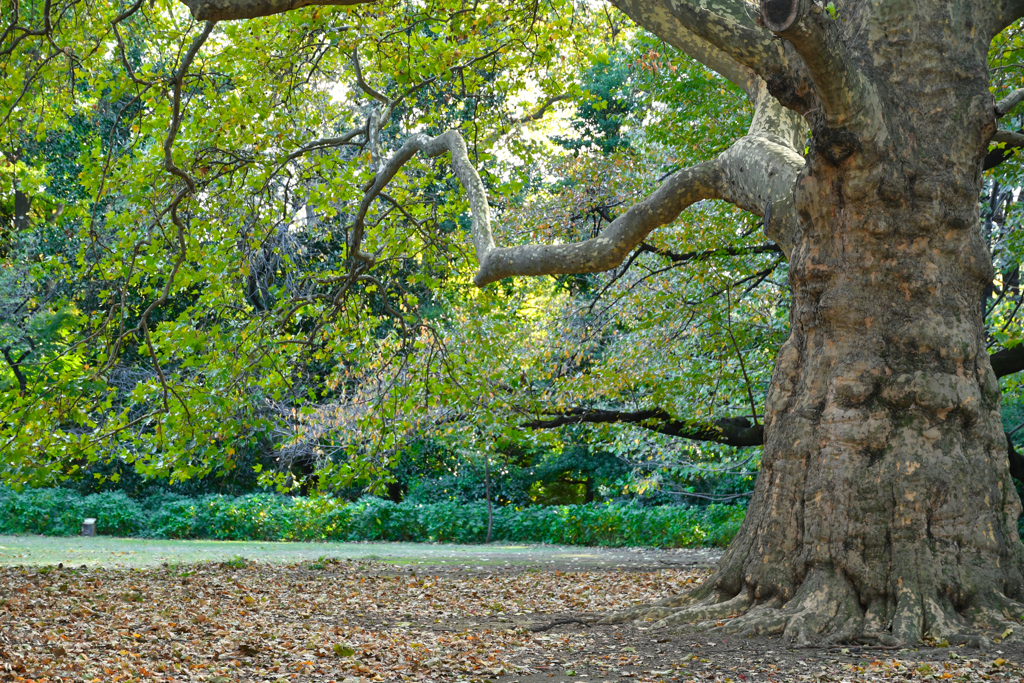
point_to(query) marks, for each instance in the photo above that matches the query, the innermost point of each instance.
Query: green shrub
(271, 517)
(59, 512)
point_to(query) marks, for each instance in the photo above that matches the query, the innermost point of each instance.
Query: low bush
(270, 517)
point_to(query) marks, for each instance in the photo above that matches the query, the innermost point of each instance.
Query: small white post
(89, 526)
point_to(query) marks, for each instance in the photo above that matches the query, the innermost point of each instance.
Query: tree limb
(725, 40)
(228, 10)
(1003, 13)
(609, 249)
(731, 431)
(453, 143)
(756, 170)
(668, 28)
(676, 257)
(1008, 361)
(1008, 138)
(1005, 105)
(849, 100)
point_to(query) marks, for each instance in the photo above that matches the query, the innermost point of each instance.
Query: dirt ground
(355, 621)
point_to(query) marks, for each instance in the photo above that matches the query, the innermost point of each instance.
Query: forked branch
(757, 170)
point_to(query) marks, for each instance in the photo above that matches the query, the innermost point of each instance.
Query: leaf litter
(356, 622)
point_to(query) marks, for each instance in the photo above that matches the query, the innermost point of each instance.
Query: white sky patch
(339, 92)
(556, 122)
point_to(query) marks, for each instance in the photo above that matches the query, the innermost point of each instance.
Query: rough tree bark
(884, 510)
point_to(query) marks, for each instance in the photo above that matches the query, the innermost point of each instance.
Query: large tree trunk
(884, 503)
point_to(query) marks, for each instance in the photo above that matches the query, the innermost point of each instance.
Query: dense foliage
(184, 297)
(269, 517)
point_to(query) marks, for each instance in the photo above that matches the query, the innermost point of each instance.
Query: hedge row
(269, 517)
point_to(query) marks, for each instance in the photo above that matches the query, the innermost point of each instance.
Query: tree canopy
(223, 238)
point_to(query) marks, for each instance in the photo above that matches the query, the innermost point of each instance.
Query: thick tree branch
(228, 10)
(748, 174)
(739, 432)
(1008, 138)
(609, 249)
(676, 257)
(758, 169)
(723, 39)
(1008, 361)
(848, 98)
(1006, 105)
(731, 431)
(1003, 13)
(658, 20)
(453, 143)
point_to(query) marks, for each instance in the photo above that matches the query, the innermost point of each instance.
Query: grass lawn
(107, 551)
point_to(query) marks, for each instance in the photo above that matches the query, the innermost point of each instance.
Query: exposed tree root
(826, 609)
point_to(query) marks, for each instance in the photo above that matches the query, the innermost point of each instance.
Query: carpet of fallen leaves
(356, 622)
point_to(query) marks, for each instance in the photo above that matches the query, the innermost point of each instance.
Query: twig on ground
(862, 648)
(537, 628)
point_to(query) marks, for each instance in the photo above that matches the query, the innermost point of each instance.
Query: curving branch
(228, 10)
(172, 131)
(1002, 13)
(739, 432)
(757, 171)
(609, 249)
(848, 98)
(453, 143)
